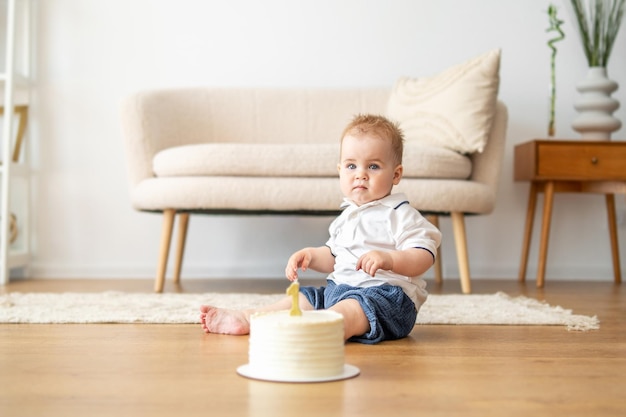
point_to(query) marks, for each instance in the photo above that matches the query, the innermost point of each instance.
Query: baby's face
(367, 170)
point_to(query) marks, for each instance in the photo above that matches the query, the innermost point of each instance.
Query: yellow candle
(294, 291)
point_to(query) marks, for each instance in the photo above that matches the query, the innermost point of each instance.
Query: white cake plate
(349, 371)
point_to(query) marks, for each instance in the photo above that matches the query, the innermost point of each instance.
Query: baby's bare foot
(220, 320)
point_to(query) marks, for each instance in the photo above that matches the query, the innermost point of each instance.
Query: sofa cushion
(297, 160)
(453, 109)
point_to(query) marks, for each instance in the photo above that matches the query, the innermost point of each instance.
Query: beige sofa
(223, 150)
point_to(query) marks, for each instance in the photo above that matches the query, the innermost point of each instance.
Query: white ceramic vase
(595, 106)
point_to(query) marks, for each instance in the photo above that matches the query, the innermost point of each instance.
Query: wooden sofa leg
(166, 237)
(183, 222)
(434, 219)
(460, 240)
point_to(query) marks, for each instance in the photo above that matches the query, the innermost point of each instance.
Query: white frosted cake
(296, 348)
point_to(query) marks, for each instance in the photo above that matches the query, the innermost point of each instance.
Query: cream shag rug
(121, 307)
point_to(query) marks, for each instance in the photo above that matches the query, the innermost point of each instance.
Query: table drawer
(581, 161)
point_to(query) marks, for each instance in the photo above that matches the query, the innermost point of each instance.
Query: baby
(378, 248)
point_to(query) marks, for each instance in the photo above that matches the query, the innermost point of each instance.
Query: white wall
(92, 53)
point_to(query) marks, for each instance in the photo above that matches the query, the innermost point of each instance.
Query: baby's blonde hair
(380, 127)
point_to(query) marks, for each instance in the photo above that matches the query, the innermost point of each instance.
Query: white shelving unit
(14, 170)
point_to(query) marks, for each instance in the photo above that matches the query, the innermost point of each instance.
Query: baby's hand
(373, 261)
(291, 273)
(300, 259)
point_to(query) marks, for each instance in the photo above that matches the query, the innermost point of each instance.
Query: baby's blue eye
(351, 166)
(374, 166)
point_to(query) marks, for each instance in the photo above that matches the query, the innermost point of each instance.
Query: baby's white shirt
(387, 224)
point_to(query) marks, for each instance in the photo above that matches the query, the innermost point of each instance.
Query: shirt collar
(392, 201)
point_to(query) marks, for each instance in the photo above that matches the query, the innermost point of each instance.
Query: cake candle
(294, 290)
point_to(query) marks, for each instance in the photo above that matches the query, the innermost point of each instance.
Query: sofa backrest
(160, 119)
(236, 115)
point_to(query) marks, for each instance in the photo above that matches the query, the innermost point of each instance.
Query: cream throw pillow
(453, 109)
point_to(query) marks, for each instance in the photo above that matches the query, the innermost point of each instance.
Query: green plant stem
(555, 25)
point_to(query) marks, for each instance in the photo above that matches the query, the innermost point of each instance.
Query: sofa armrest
(488, 164)
(156, 120)
(138, 146)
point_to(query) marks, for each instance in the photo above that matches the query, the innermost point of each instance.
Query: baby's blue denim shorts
(390, 311)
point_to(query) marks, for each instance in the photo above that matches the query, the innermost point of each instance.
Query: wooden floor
(177, 370)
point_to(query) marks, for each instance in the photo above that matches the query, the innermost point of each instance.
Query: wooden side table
(574, 166)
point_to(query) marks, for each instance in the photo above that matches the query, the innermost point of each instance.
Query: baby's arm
(319, 259)
(409, 262)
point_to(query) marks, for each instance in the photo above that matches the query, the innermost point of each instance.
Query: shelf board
(17, 258)
(21, 96)
(17, 169)
(18, 79)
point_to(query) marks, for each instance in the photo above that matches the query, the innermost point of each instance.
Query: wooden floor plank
(177, 370)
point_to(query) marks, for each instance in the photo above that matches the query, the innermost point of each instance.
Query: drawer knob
(594, 160)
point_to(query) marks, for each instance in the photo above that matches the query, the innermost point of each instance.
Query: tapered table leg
(610, 209)
(528, 230)
(548, 196)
